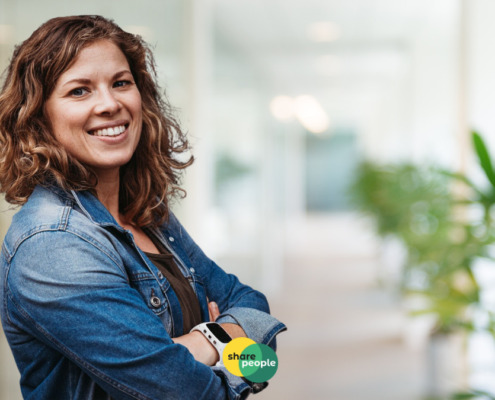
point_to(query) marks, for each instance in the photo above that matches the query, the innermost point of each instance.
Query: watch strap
(218, 343)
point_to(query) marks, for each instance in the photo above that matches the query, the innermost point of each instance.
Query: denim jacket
(88, 316)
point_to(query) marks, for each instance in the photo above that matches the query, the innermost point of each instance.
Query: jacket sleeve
(76, 298)
(238, 303)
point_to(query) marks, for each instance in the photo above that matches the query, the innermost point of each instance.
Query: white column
(198, 45)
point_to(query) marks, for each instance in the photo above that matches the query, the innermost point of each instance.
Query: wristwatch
(216, 335)
(219, 338)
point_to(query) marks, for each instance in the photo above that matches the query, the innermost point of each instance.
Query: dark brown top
(189, 304)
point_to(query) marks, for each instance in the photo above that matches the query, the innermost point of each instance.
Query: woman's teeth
(117, 130)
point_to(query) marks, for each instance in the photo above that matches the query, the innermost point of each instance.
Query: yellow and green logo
(253, 361)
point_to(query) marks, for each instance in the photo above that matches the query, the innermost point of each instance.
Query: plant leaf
(484, 157)
(473, 394)
(462, 178)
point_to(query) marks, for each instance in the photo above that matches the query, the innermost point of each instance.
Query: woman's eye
(78, 92)
(121, 83)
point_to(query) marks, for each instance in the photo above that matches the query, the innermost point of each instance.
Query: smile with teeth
(114, 131)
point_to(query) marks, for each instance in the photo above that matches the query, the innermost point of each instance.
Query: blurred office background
(283, 99)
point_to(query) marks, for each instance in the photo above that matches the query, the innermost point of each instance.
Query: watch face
(219, 332)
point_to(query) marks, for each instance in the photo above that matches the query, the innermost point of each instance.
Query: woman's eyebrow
(86, 81)
(120, 73)
(82, 81)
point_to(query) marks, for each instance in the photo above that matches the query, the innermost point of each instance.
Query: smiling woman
(102, 289)
(33, 77)
(95, 112)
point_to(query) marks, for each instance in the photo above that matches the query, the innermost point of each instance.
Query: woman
(100, 284)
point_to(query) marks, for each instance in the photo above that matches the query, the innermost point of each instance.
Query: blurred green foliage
(444, 222)
(473, 395)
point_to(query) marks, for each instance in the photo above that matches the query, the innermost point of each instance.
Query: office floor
(346, 338)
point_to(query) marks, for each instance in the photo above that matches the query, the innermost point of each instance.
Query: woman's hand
(202, 350)
(213, 311)
(233, 330)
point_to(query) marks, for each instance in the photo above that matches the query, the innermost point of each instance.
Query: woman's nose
(107, 103)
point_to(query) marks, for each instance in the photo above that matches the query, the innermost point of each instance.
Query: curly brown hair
(31, 155)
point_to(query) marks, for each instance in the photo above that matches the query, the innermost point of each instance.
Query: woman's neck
(107, 191)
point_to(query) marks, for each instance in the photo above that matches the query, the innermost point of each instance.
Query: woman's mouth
(109, 132)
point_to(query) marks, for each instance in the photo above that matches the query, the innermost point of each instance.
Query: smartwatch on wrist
(216, 335)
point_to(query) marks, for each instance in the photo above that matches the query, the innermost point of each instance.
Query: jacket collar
(93, 208)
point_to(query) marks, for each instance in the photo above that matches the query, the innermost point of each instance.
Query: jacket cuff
(258, 325)
(238, 388)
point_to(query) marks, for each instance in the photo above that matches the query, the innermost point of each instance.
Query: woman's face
(95, 108)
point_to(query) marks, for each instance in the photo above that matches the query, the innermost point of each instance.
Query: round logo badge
(253, 361)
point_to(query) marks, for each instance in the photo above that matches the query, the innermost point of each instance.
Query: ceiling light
(282, 108)
(323, 32)
(311, 114)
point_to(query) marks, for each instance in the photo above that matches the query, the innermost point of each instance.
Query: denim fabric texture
(88, 316)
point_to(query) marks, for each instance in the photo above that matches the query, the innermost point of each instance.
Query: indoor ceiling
(339, 51)
(346, 53)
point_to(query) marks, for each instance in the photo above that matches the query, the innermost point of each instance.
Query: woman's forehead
(101, 56)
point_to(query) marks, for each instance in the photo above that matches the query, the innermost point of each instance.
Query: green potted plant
(442, 238)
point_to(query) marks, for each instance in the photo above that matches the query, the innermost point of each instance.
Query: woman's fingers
(213, 310)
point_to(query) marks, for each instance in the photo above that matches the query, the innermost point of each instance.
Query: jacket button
(160, 275)
(155, 301)
(171, 239)
(192, 270)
